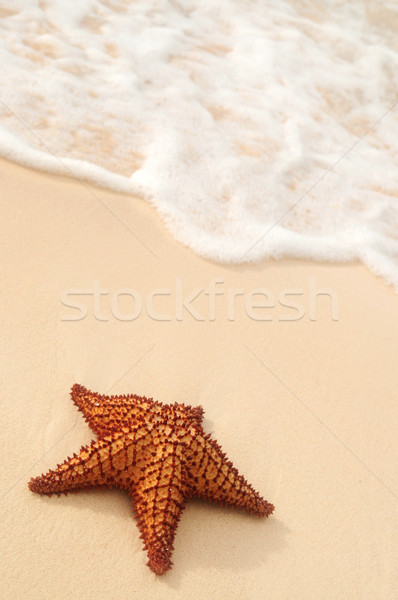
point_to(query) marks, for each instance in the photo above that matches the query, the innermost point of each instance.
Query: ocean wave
(257, 129)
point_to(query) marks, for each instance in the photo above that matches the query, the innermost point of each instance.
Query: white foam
(227, 116)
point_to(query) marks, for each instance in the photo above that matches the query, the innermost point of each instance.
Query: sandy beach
(294, 363)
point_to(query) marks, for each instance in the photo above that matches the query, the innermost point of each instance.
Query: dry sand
(306, 408)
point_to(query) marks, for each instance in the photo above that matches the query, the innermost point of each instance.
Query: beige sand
(306, 408)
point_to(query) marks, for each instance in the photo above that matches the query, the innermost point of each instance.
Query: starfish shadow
(209, 537)
(213, 537)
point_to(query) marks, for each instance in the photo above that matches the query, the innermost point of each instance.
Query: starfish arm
(215, 479)
(100, 463)
(159, 495)
(104, 413)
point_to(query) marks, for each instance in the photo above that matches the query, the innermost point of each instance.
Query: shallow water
(257, 128)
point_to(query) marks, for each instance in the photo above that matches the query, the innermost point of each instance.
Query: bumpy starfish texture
(160, 454)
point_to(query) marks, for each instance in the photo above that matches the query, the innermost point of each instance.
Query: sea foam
(257, 128)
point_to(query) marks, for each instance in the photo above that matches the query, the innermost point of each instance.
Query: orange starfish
(160, 454)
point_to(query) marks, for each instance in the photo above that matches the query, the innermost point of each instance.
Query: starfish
(160, 454)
